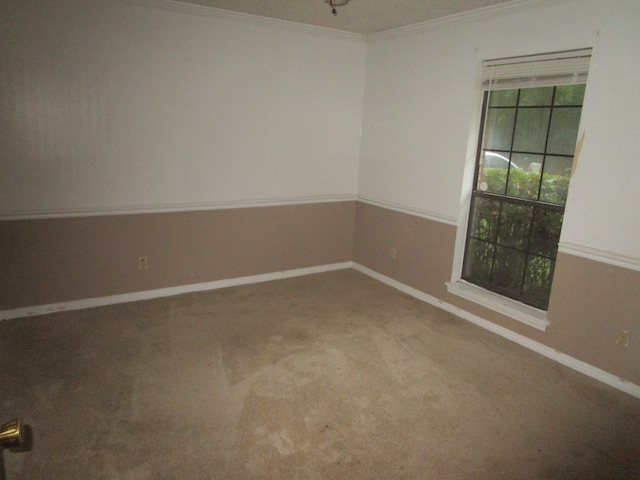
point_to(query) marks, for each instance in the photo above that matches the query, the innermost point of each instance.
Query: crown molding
(462, 18)
(515, 6)
(219, 13)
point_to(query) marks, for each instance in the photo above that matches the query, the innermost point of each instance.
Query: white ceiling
(359, 16)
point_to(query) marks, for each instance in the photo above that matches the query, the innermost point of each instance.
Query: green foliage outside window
(523, 184)
(512, 245)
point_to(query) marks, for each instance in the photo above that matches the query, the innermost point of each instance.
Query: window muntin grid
(524, 164)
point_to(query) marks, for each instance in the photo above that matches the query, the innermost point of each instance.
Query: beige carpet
(330, 376)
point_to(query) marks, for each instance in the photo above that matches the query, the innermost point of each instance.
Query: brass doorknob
(14, 435)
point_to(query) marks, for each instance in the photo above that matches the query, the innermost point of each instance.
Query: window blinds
(562, 68)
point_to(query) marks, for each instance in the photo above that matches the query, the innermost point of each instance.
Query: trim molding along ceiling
(181, 7)
(566, 360)
(464, 18)
(459, 18)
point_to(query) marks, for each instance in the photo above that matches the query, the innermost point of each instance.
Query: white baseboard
(573, 363)
(166, 292)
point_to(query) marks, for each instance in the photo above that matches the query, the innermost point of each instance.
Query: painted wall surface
(118, 105)
(423, 247)
(53, 260)
(109, 105)
(590, 303)
(422, 108)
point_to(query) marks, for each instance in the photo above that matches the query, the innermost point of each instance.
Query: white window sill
(530, 316)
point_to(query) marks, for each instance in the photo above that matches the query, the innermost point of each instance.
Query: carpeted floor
(329, 376)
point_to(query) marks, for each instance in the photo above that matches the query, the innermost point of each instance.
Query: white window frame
(516, 72)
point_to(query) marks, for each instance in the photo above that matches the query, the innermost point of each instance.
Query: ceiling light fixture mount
(336, 3)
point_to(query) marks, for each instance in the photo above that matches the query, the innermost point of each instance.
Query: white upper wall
(118, 105)
(122, 105)
(422, 108)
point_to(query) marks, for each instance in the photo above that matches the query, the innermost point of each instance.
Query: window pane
(523, 184)
(478, 260)
(514, 225)
(496, 160)
(499, 128)
(536, 97)
(503, 98)
(537, 281)
(569, 95)
(508, 270)
(528, 141)
(531, 130)
(564, 130)
(555, 179)
(558, 165)
(545, 232)
(493, 174)
(484, 223)
(528, 161)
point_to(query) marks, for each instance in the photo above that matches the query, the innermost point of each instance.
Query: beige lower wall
(590, 303)
(55, 260)
(424, 248)
(590, 300)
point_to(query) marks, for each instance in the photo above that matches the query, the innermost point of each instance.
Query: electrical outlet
(143, 264)
(623, 338)
(392, 253)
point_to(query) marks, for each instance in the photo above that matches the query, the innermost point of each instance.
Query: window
(528, 135)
